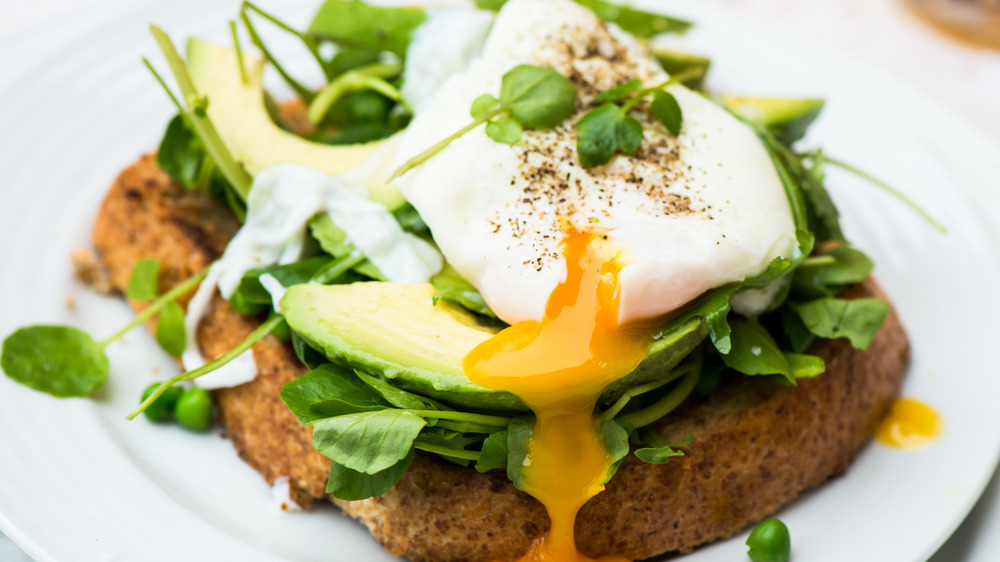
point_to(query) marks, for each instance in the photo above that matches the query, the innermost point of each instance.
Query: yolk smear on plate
(909, 425)
(559, 367)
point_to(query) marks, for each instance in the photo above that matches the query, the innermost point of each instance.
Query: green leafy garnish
(609, 129)
(348, 484)
(170, 332)
(367, 442)
(363, 26)
(454, 288)
(754, 352)
(67, 362)
(530, 96)
(640, 23)
(494, 453)
(370, 77)
(856, 319)
(142, 285)
(57, 360)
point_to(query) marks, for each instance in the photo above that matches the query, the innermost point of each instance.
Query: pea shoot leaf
(536, 96)
(57, 360)
(367, 442)
(825, 275)
(518, 435)
(616, 441)
(857, 319)
(329, 391)
(181, 154)
(482, 105)
(659, 450)
(351, 485)
(619, 93)
(170, 332)
(395, 396)
(364, 26)
(494, 454)
(142, 285)
(504, 130)
(454, 288)
(805, 366)
(667, 110)
(605, 131)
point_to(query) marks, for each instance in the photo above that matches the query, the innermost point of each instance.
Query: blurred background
(948, 49)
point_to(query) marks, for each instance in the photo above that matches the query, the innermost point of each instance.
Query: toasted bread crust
(756, 445)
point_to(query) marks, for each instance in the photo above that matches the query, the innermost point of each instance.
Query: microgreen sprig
(530, 96)
(610, 129)
(67, 362)
(368, 77)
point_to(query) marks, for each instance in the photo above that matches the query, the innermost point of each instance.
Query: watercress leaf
(667, 110)
(329, 391)
(351, 485)
(368, 442)
(714, 309)
(452, 287)
(57, 360)
(658, 455)
(482, 105)
(754, 351)
(850, 265)
(494, 454)
(170, 332)
(368, 27)
(637, 22)
(334, 241)
(619, 93)
(857, 319)
(536, 96)
(307, 354)
(504, 130)
(518, 435)
(805, 366)
(798, 337)
(604, 131)
(142, 285)
(616, 441)
(395, 396)
(180, 154)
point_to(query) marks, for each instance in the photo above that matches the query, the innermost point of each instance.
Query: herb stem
(496, 421)
(668, 403)
(163, 83)
(336, 268)
(446, 451)
(255, 336)
(370, 77)
(305, 93)
(199, 120)
(885, 186)
(675, 79)
(466, 427)
(157, 305)
(440, 145)
(239, 52)
(309, 42)
(642, 389)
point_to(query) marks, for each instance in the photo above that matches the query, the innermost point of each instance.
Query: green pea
(367, 106)
(163, 407)
(769, 542)
(194, 409)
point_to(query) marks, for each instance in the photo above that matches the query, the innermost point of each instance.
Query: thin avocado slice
(788, 119)
(239, 112)
(675, 62)
(398, 332)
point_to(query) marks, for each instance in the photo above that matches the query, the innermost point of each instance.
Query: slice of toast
(756, 445)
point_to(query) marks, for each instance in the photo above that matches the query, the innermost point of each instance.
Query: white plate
(78, 482)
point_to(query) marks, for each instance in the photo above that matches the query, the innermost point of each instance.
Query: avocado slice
(398, 332)
(786, 118)
(675, 62)
(239, 112)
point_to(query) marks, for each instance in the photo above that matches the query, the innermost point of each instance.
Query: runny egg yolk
(558, 367)
(910, 425)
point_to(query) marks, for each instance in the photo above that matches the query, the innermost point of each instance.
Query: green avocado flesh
(786, 118)
(397, 332)
(238, 110)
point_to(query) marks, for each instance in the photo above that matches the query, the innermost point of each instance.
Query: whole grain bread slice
(756, 445)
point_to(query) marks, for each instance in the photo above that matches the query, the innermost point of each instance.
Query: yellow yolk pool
(910, 425)
(559, 367)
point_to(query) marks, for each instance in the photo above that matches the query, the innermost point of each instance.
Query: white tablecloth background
(882, 32)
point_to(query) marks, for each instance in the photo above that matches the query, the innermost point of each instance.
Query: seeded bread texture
(756, 445)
